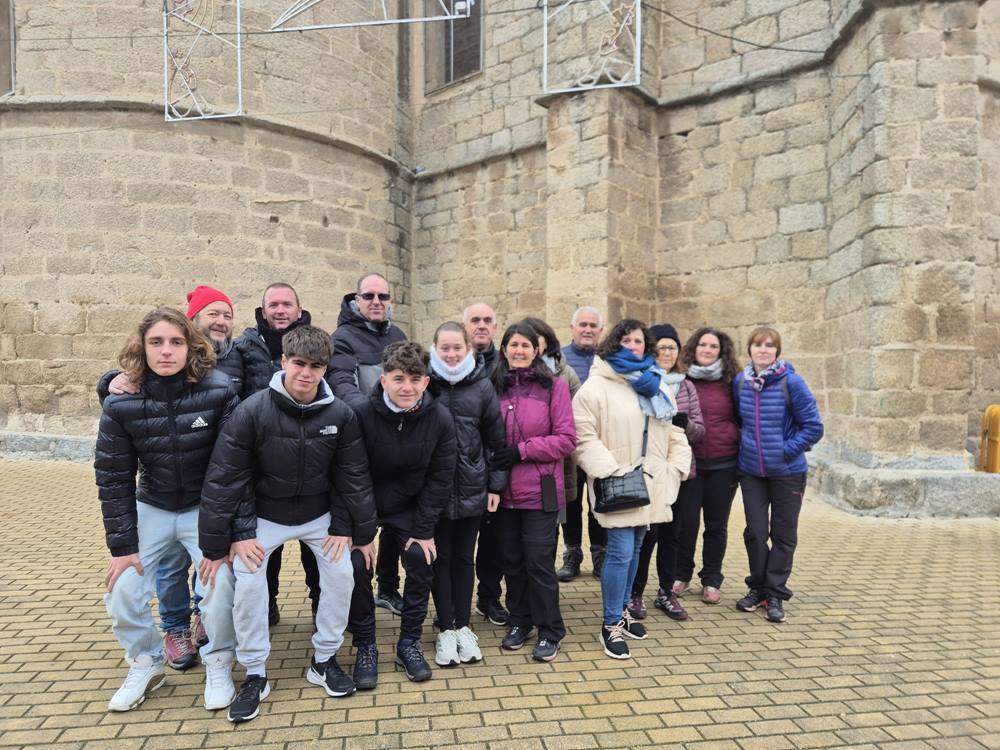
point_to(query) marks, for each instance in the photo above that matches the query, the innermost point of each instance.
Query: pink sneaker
(198, 629)
(680, 587)
(711, 595)
(637, 607)
(180, 651)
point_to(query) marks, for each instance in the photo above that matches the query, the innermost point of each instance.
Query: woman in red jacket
(710, 359)
(540, 430)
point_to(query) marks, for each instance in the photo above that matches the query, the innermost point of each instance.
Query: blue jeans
(620, 564)
(128, 603)
(177, 603)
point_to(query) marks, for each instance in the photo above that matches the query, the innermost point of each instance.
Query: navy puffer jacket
(777, 429)
(479, 429)
(260, 348)
(165, 432)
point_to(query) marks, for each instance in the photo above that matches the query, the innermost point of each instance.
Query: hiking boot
(517, 636)
(390, 600)
(670, 604)
(613, 640)
(775, 610)
(572, 557)
(219, 687)
(637, 607)
(254, 689)
(329, 676)
(468, 645)
(679, 588)
(273, 618)
(545, 650)
(144, 676)
(411, 659)
(446, 653)
(751, 601)
(631, 628)
(366, 666)
(493, 611)
(597, 555)
(199, 636)
(179, 650)
(711, 595)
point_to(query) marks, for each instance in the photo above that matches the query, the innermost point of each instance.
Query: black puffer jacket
(228, 361)
(288, 463)
(412, 458)
(479, 430)
(166, 432)
(357, 353)
(260, 348)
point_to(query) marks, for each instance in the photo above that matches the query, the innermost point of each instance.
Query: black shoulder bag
(613, 494)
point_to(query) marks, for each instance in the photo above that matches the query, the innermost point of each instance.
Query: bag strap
(645, 438)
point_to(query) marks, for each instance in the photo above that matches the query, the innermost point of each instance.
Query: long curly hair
(612, 342)
(727, 352)
(200, 354)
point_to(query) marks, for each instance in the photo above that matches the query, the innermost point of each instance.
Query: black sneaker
(366, 666)
(493, 611)
(613, 640)
(572, 557)
(390, 600)
(273, 613)
(775, 610)
(329, 676)
(751, 601)
(516, 637)
(632, 628)
(411, 659)
(597, 555)
(246, 705)
(545, 650)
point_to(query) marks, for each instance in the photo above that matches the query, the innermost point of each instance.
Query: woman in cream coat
(625, 387)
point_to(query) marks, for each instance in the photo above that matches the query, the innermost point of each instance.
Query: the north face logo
(199, 422)
(330, 429)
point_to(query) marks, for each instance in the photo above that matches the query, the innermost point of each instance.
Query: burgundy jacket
(722, 432)
(539, 421)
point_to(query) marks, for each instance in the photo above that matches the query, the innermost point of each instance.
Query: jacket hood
(263, 327)
(323, 397)
(223, 349)
(602, 369)
(349, 316)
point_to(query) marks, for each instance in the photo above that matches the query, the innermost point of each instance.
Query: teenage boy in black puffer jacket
(290, 464)
(411, 449)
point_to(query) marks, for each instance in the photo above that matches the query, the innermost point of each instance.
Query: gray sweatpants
(253, 641)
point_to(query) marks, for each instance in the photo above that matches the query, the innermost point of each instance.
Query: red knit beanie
(202, 297)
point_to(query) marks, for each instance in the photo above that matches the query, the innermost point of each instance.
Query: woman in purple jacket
(709, 357)
(538, 417)
(674, 556)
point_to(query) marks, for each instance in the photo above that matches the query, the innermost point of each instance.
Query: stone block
(941, 282)
(57, 317)
(896, 324)
(809, 245)
(954, 324)
(937, 174)
(757, 225)
(946, 369)
(803, 217)
(18, 318)
(43, 346)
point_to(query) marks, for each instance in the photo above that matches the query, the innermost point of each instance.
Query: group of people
(463, 459)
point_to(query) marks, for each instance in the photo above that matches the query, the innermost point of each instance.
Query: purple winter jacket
(539, 422)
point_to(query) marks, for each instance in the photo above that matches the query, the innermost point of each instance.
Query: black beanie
(665, 331)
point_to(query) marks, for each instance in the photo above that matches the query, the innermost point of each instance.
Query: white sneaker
(468, 645)
(219, 688)
(144, 676)
(447, 649)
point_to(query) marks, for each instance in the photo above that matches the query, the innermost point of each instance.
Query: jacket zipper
(760, 449)
(451, 408)
(302, 455)
(175, 444)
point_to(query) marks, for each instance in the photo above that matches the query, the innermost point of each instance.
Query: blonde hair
(200, 354)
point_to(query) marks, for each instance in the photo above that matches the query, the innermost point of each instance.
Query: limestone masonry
(840, 180)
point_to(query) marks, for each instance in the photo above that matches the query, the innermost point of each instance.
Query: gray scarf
(708, 372)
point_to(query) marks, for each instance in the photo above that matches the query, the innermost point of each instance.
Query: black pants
(308, 564)
(454, 570)
(387, 563)
(528, 547)
(770, 567)
(489, 570)
(716, 489)
(573, 528)
(673, 561)
(416, 590)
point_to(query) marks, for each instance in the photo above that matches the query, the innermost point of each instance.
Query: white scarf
(455, 374)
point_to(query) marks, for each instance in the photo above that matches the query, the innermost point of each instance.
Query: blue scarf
(644, 376)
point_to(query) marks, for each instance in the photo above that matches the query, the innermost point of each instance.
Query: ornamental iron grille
(591, 44)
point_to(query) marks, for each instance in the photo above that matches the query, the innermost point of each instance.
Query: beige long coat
(609, 426)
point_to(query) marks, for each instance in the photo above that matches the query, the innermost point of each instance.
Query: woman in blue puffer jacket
(779, 423)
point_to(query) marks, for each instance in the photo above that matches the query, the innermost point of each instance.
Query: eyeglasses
(369, 296)
(665, 349)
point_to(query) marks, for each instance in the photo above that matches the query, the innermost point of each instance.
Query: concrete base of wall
(47, 447)
(905, 492)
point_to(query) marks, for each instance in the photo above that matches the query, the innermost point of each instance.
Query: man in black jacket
(412, 453)
(363, 332)
(290, 464)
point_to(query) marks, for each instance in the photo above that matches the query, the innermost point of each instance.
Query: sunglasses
(369, 296)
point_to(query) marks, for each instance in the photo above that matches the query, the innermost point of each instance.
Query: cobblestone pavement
(893, 640)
